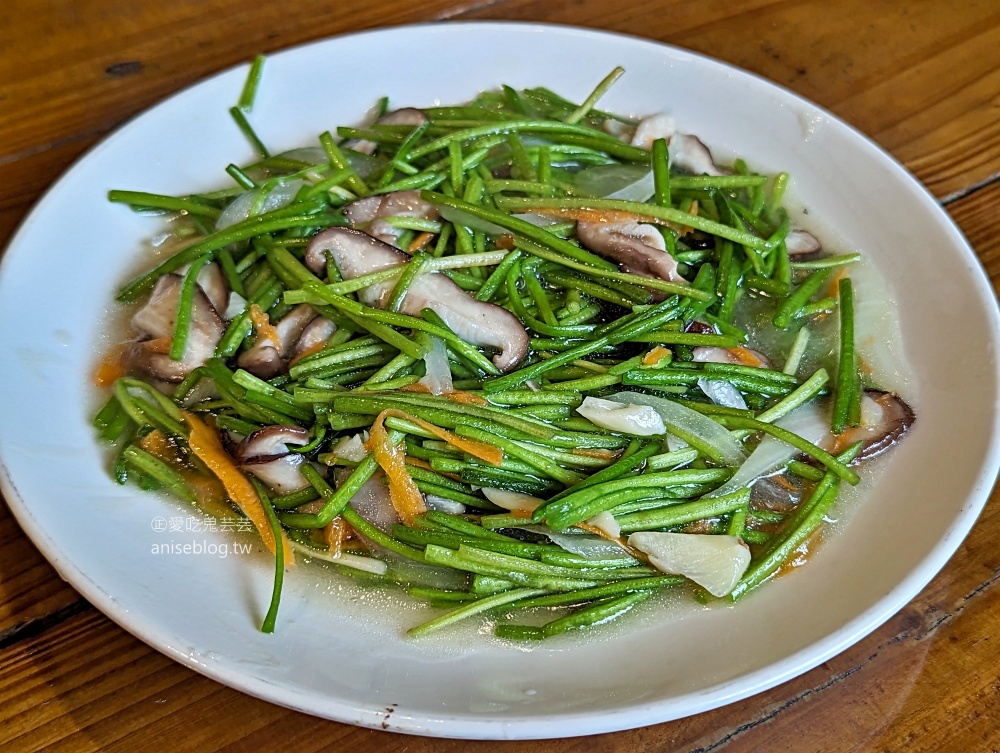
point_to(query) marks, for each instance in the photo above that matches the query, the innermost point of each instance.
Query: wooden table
(920, 77)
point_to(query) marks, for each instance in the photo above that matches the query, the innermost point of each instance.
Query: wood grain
(921, 78)
(30, 590)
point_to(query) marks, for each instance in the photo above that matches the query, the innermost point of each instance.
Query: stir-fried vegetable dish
(520, 357)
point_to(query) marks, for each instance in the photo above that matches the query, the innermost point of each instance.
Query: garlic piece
(712, 561)
(638, 420)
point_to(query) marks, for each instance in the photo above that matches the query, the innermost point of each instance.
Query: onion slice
(696, 424)
(241, 208)
(624, 182)
(511, 500)
(721, 392)
(437, 378)
(638, 420)
(714, 562)
(808, 421)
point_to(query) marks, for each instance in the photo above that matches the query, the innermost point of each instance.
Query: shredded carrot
(833, 287)
(208, 491)
(263, 327)
(466, 398)
(307, 352)
(112, 366)
(505, 242)
(335, 535)
(486, 452)
(656, 355)
(205, 445)
(421, 241)
(415, 387)
(458, 396)
(159, 345)
(592, 215)
(693, 211)
(746, 357)
(157, 444)
(403, 492)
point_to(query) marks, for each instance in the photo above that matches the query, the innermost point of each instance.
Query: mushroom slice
(269, 354)
(314, 336)
(637, 247)
(659, 126)
(156, 322)
(479, 323)
(404, 116)
(738, 356)
(265, 454)
(213, 282)
(690, 153)
(885, 417)
(369, 211)
(801, 244)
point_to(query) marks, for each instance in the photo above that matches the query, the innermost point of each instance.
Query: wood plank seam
(961, 193)
(36, 626)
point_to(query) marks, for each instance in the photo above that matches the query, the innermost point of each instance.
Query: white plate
(336, 658)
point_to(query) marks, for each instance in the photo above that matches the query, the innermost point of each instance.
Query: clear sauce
(389, 611)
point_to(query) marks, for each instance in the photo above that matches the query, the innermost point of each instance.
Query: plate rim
(485, 727)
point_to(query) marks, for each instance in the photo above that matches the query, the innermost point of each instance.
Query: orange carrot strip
(694, 213)
(746, 357)
(205, 445)
(112, 366)
(157, 444)
(421, 241)
(263, 327)
(403, 492)
(415, 387)
(159, 345)
(466, 398)
(457, 396)
(335, 535)
(307, 352)
(654, 356)
(486, 452)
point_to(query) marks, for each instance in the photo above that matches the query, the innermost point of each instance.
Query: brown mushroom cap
(404, 116)
(690, 153)
(265, 454)
(477, 322)
(365, 214)
(637, 247)
(155, 321)
(267, 358)
(802, 244)
(315, 334)
(896, 419)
